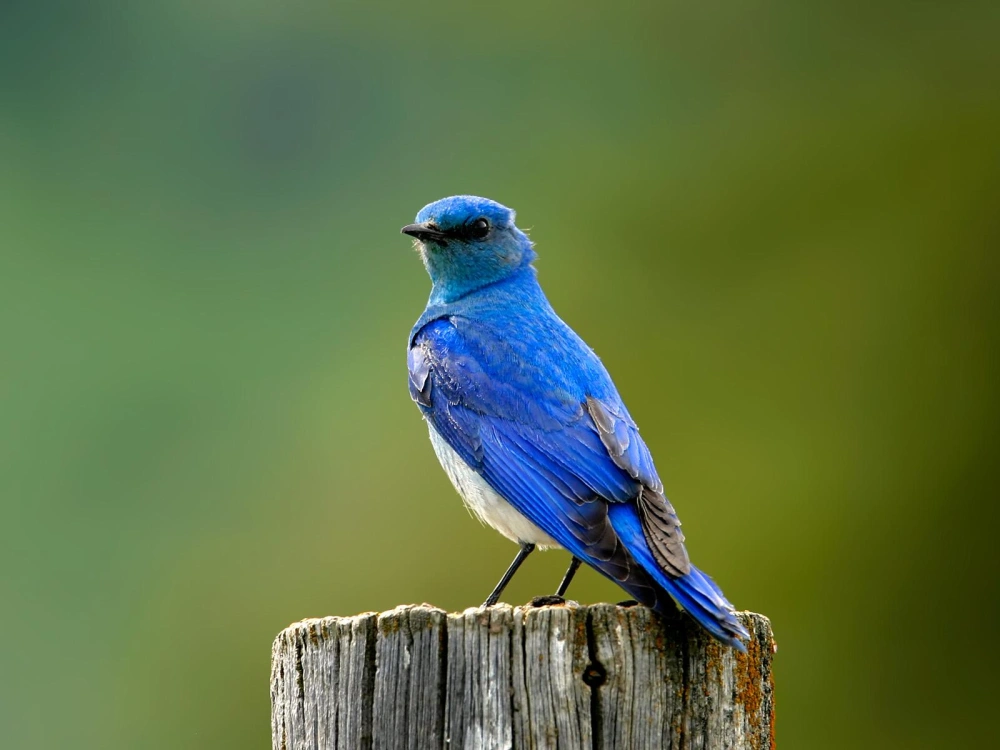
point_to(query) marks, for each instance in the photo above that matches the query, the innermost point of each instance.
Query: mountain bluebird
(528, 425)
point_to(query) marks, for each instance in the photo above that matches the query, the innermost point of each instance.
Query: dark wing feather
(662, 530)
(660, 524)
(620, 437)
(419, 366)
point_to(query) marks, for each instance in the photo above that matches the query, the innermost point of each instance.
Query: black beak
(425, 231)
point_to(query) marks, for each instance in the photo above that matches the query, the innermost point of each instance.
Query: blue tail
(695, 592)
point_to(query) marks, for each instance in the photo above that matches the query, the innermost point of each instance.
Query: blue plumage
(528, 423)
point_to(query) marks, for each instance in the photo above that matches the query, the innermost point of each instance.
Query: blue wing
(545, 427)
(559, 390)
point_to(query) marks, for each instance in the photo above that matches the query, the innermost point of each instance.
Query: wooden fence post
(564, 676)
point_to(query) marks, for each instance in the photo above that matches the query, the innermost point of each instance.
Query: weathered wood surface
(564, 676)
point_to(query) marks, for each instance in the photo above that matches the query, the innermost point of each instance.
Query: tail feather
(695, 592)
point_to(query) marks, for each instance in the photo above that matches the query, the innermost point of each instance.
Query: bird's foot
(628, 603)
(547, 600)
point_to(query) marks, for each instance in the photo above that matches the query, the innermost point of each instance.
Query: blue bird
(528, 425)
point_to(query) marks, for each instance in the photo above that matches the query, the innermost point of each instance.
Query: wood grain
(564, 676)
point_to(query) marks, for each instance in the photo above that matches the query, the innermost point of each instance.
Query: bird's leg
(574, 565)
(522, 555)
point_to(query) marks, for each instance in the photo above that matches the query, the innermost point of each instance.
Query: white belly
(483, 500)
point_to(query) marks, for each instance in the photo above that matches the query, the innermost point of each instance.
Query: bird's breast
(486, 503)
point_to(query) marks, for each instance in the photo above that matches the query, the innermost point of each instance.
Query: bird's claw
(547, 600)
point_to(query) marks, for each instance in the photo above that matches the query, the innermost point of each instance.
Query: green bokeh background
(777, 225)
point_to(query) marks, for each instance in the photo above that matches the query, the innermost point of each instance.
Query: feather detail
(662, 530)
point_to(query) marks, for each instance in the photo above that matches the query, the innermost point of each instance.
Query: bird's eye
(479, 228)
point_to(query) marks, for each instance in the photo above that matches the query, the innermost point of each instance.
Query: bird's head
(468, 242)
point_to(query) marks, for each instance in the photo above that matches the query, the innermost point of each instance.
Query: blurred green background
(205, 431)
